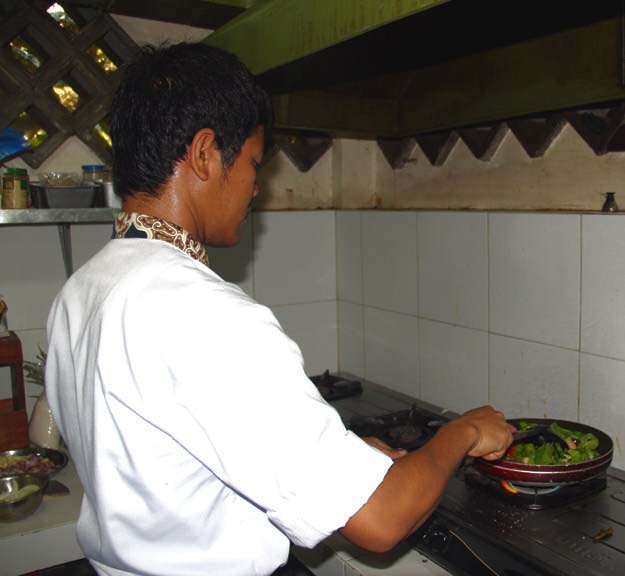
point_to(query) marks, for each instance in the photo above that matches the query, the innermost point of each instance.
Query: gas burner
(407, 429)
(534, 497)
(335, 387)
(532, 490)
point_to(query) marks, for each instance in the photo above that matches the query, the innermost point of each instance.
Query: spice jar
(15, 189)
(93, 174)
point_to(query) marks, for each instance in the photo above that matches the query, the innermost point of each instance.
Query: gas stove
(482, 528)
(332, 387)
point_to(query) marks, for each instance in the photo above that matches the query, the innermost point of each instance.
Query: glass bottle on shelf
(610, 203)
(93, 174)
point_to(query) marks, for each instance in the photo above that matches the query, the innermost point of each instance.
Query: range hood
(429, 66)
(398, 68)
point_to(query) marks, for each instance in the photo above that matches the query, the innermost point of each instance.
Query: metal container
(66, 196)
(58, 458)
(111, 200)
(13, 509)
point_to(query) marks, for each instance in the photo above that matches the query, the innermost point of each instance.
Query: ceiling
(375, 68)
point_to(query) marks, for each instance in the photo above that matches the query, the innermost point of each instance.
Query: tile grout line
(362, 294)
(579, 335)
(488, 334)
(336, 288)
(418, 350)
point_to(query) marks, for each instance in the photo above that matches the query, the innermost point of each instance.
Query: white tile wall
(389, 253)
(528, 379)
(454, 365)
(535, 277)
(391, 350)
(294, 259)
(349, 256)
(351, 352)
(603, 286)
(314, 327)
(524, 311)
(32, 273)
(87, 241)
(602, 400)
(453, 267)
(235, 263)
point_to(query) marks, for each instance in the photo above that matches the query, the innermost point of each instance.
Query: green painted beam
(573, 68)
(274, 32)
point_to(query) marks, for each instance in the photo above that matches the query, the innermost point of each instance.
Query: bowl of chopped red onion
(38, 461)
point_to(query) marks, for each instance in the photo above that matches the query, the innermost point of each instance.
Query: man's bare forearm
(415, 483)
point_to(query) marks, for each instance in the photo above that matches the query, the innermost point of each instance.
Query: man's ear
(203, 154)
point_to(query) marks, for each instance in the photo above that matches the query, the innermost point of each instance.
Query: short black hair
(165, 96)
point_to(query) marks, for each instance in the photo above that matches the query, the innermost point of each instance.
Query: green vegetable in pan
(582, 446)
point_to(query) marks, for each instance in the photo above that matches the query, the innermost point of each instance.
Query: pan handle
(540, 435)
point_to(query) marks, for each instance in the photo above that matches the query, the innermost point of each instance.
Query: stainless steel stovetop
(473, 532)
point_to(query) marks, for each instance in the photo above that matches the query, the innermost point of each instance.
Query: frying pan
(550, 474)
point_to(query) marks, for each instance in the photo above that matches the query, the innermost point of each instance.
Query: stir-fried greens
(582, 446)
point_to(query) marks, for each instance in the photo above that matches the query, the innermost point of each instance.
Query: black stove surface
(557, 540)
(409, 429)
(475, 530)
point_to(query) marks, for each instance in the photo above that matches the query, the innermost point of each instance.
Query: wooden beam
(274, 32)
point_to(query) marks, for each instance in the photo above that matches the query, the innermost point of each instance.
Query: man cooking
(201, 445)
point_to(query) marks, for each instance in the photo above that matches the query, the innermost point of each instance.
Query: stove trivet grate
(333, 387)
(408, 429)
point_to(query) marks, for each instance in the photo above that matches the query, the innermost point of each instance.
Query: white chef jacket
(201, 445)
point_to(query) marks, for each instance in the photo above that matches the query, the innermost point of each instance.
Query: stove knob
(437, 538)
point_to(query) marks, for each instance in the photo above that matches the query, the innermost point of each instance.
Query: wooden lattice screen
(59, 66)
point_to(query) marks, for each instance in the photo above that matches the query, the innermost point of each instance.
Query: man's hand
(493, 435)
(392, 453)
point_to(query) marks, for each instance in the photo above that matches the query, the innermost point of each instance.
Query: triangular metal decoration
(538, 133)
(484, 141)
(438, 145)
(397, 151)
(303, 150)
(616, 141)
(598, 127)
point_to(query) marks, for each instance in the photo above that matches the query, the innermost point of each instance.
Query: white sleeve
(246, 409)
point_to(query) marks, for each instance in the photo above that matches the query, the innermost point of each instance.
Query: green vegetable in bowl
(582, 446)
(20, 494)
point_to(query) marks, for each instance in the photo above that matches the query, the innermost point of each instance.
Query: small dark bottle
(610, 203)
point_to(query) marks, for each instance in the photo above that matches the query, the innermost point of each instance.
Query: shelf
(63, 218)
(57, 216)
